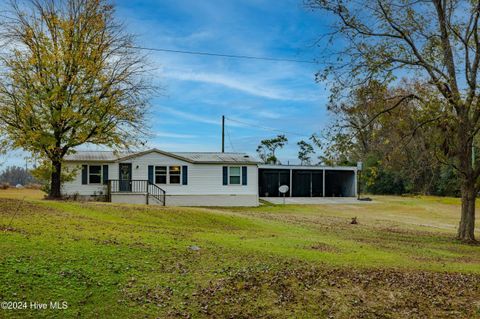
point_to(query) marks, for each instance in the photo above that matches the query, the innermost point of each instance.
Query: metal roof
(100, 156)
(192, 157)
(307, 167)
(216, 157)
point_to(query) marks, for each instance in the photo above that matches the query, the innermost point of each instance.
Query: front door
(125, 176)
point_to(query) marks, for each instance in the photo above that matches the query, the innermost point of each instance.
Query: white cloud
(269, 114)
(188, 116)
(194, 117)
(173, 135)
(188, 147)
(249, 86)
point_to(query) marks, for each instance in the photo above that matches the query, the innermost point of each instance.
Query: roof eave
(89, 160)
(224, 162)
(156, 151)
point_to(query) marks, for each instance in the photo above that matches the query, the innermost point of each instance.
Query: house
(165, 178)
(198, 178)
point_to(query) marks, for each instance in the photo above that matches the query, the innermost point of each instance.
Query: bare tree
(435, 41)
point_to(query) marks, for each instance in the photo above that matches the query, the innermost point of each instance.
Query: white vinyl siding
(76, 187)
(203, 179)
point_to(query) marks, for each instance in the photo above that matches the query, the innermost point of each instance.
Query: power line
(268, 128)
(229, 139)
(234, 56)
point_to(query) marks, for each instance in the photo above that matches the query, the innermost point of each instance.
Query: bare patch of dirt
(6, 228)
(159, 296)
(11, 207)
(323, 247)
(109, 241)
(400, 231)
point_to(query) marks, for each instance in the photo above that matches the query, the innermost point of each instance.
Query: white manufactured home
(158, 177)
(198, 178)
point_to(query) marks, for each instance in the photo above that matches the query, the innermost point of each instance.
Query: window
(234, 175)
(160, 174)
(95, 174)
(174, 172)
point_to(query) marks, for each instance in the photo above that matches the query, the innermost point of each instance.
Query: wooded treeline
(387, 132)
(384, 128)
(14, 175)
(435, 45)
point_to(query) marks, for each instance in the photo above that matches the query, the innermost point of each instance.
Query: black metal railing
(156, 192)
(116, 186)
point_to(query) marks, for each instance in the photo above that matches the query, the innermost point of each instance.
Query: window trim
(100, 174)
(167, 174)
(179, 175)
(155, 174)
(239, 175)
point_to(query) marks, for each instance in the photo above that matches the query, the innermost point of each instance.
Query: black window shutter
(150, 173)
(244, 175)
(105, 174)
(225, 175)
(184, 175)
(84, 174)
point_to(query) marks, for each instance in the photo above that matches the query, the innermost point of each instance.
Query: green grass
(274, 261)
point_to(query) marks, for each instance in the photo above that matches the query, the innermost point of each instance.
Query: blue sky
(198, 90)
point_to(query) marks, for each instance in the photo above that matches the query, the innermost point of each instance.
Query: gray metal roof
(216, 157)
(307, 167)
(100, 156)
(193, 157)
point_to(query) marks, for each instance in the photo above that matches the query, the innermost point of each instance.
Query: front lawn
(127, 261)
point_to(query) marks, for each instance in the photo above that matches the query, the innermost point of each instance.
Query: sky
(259, 98)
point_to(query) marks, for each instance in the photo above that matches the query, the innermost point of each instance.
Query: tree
(16, 175)
(305, 151)
(436, 42)
(70, 76)
(266, 149)
(386, 145)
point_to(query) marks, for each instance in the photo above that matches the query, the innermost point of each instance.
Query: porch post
(323, 183)
(291, 185)
(147, 195)
(311, 184)
(109, 190)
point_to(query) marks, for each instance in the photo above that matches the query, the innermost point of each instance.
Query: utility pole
(223, 133)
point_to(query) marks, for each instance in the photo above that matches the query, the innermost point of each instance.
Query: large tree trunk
(466, 229)
(55, 181)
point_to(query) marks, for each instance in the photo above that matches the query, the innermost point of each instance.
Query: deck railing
(119, 186)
